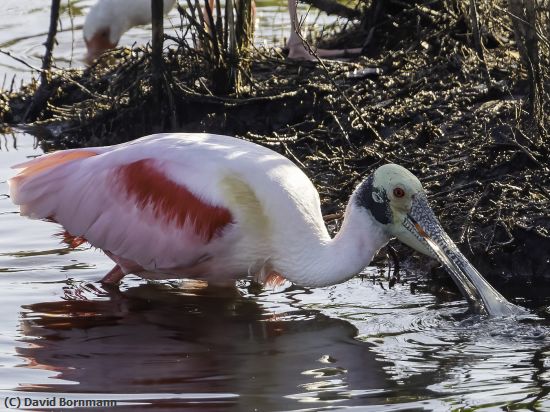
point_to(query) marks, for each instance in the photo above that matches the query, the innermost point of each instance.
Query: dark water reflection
(175, 347)
(155, 338)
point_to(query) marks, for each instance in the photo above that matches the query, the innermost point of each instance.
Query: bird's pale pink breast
(146, 184)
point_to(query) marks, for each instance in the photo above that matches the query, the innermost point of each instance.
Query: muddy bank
(420, 97)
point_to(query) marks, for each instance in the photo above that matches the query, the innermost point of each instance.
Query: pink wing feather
(128, 207)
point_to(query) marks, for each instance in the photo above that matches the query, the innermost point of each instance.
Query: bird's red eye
(398, 192)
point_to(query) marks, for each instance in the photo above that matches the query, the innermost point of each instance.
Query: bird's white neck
(339, 259)
(119, 16)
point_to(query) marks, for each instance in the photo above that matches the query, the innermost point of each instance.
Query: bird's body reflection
(157, 338)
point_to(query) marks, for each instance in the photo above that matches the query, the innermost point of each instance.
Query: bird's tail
(38, 179)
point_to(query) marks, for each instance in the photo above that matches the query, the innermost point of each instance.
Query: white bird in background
(107, 20)
(217, 208)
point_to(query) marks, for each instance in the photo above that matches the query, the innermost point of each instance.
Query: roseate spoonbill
(218, 208)
(107, 20)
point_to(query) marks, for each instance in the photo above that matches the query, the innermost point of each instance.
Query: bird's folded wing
(131, 209)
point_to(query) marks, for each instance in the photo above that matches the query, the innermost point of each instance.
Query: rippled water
(181, 346)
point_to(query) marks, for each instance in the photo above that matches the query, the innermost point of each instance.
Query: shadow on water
(200, 348)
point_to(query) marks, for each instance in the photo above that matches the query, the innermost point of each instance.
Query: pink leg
(114, 276)
(296, 48)
(355, 51)
(122, 268)
(274, 279)
(299, 52)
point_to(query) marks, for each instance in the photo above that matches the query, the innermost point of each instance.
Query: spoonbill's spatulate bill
(219, 208)
(481, 296)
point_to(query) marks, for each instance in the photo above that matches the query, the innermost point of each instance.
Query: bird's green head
(396, 200)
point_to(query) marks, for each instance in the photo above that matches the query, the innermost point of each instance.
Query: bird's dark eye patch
(398, 192)
(375, 200)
